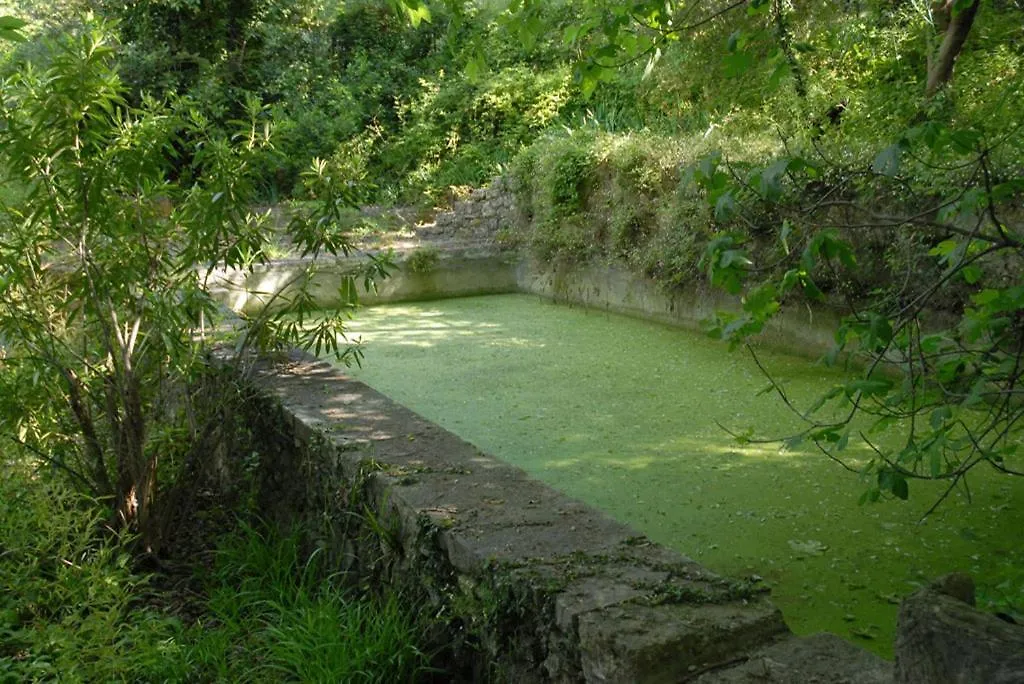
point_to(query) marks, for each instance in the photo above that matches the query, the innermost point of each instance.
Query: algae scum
(622, 414)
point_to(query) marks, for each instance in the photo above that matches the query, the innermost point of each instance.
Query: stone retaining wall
(524, 583)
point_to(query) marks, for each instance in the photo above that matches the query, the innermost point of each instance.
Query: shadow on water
(623, 414)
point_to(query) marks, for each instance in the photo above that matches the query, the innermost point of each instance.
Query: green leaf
(476, 67)
(8, 23)
(737, 63)
(940, 416)
(825, 398)
(785, 232)
(964, 141)
(900, 488)
(708, 165)
(762, 301)
(725, 206)
(844, 441)
(417, 11)
(1005, 191)
(880, 329)
(868, 387)
(735, 41)
(935, 463)
(887, 162)
(781, 70)
(971, 274)
(944, 248)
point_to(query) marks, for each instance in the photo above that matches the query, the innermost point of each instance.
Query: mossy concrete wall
(459, 272)
(462, 254)
(522, 583)
(452, 272)
(611, 287)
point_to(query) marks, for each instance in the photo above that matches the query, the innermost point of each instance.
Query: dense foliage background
(869, 153)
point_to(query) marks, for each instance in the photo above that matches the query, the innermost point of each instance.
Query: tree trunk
(940, 68)
(137, 471)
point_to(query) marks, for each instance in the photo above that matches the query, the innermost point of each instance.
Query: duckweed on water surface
(622, 414)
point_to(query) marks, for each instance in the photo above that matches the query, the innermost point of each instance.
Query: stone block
(818, 659)
(668, 643)
(942, 639)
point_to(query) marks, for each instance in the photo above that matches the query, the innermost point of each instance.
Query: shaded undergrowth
(76, 607)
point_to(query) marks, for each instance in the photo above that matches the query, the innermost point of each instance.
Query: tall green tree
(105, 255)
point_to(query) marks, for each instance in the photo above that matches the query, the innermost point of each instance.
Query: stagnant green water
(622, 414)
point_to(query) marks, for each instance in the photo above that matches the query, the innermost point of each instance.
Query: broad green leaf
(8, 23)
(737, 63)
(887, 162)
(944, 249)
(417, 11)
(724, 206)
(971, 274)
(964, 141)
(880, 329)
(868, 387)
(762, 301)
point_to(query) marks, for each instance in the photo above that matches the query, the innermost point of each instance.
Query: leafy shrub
(69, 609)
(457, 132)
(423, 260)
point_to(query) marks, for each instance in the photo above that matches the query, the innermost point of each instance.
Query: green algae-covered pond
(622, 413)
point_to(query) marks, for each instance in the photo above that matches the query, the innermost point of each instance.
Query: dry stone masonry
(481, 217)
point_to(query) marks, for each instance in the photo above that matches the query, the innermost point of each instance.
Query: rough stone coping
(632, 611)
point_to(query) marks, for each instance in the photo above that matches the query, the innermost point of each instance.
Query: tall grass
(73, 609)
(274, 615)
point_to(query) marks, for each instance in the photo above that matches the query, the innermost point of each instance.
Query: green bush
(70, 605)
(423, 260)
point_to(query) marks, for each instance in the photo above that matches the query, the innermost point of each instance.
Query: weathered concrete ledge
(467, 257)
(449, 271)
(458, 271)
(527, 584)
(610, 287)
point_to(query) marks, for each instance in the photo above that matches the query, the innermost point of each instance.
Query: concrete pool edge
(540, 587)
(461, 270)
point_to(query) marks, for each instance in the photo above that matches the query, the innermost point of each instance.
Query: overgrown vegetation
(81, 610)
(868, 154)
(114, 217)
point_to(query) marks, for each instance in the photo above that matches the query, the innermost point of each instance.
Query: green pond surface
(621, 413)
